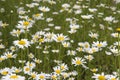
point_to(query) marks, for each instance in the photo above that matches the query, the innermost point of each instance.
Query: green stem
(78, 73)
(44, 62)
(119, 55)
(25, 34)
(22, 58)
(59, 57)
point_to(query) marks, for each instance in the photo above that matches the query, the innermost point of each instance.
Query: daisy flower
(31, 55)
(93, 35)
(109, 19)
(22, 43)
(33, 75)
(87, 16)
(54, 76)
(100, 44)
(55, 51)
(13, 77)
(13, 48)
(112, 77)
(42, 76)
(73, 73)
(25, 25)
(16, 70)
(89, 57)
(44, 9)
(57, 70)
(66, 5)
(2, 58)
(16, 32)
(60, 38)
(27, 69)
(86, 45)
(78, 61)
(74, 26)
(10, 55)
(72, 31)
(63, 67)
(65, 75)
(38, 16)
(94, 70)
(101, 76)
(30, 64)
(71, 52)
(2, 46)
(5, 71)
(38, 61)
(115, 35)
(66, 44)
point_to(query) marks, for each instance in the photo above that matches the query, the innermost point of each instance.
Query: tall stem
(119, 55)
(78, 73)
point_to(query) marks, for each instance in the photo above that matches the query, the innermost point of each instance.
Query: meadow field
(59, 39)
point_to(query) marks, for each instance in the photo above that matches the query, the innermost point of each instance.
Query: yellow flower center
(99, 45)
(30, 65)
(89, 57)
(13, 48)
(14, 77)
(17, 70)
(42, 76)
(1, 59)
(65, 75)
(113, 79)
(94, 70)
(4, 73)
(116, 35)
(101, 77)
(22, 42)
(65, 45)
(1, 46)
(33, 76)
(58, 71)
(27, 69)
(60, 38)
(78, 62)
(53, 77)
(37, 61)
(93, 50)
(62, 67)
(36, 37)
(17, 32)
(41, 40)
(37, 15)
(9, 55)
(118, 29)
(26, 23)
(86, 46)
(30, 18)
(80, 49)
(43, 9)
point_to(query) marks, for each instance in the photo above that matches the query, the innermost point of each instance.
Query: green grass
(104, 63)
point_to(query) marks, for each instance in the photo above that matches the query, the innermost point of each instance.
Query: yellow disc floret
(22, 42)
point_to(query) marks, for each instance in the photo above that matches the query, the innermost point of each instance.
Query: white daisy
(79, 61)
(10, 55)
(25, 25)
(2, 46)
(13, 77)
(100, 44)
(60, 38)
(22, 43)
(16, 32)
(101, 76)
(44, 9)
